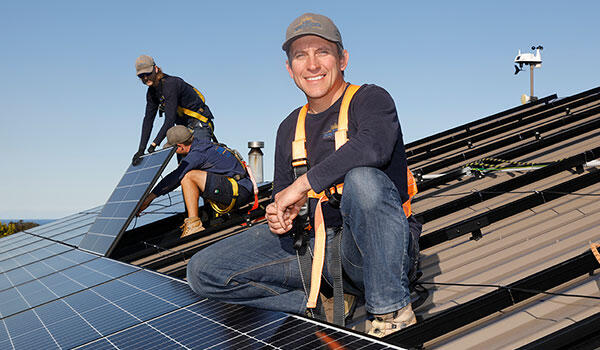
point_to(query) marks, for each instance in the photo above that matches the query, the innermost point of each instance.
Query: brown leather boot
(191, 226)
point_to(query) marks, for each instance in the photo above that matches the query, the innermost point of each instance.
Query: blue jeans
(260, 269)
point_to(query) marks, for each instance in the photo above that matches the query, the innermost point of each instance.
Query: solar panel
(161, 208)
(69, 298)
(123, 203)
(213, 325)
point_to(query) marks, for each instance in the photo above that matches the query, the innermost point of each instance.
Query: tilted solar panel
(123, 203)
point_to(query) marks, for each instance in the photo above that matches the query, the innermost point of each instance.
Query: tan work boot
(387, 324)
(191, 226)
(349, 306)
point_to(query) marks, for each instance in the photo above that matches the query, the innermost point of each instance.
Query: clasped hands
(281, 213)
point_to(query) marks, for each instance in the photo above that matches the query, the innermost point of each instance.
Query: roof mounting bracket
(476, 235)
(473, 226)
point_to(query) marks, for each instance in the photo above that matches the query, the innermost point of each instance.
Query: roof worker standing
(207, 170)
(180, 103)
(317, 152)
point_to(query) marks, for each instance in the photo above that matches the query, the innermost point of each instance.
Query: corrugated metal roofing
(534, 238)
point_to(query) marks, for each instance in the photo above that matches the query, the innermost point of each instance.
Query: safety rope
(491, 164)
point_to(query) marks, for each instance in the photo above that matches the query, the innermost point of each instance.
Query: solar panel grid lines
(138, 319)
(207, 311)
(11, 249)
(78, 222)
(59, 331)
(33, 256)
(117, 213)
(55, 223)
(20, 320)
(60, 284)
(351, 333)
(44, 267)
(161, 208)
(139, 335)
(17, 252)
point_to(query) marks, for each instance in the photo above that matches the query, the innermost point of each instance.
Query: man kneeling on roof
(345, 134)
(208, 170)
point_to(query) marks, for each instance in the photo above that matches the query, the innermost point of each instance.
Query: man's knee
(203, 274)
(366, 186)
(197, 177)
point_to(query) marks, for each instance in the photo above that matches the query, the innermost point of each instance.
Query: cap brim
(143, 70)
(289, 41)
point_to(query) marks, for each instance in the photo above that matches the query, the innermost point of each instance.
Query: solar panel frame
(125, 201)
(161, 208)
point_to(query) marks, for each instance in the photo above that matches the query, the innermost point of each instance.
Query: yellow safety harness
(300, 161)
(181, 111)
(221, 209)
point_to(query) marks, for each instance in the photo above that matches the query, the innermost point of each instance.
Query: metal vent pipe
(255, 159)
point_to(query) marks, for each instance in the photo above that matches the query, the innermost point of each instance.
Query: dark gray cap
(178, 134)
(144, 64)
(311, 23)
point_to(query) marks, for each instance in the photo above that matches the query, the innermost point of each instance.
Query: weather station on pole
(534, 61)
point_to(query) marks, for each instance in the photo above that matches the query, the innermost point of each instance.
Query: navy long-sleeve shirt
(375, 140)
(207, 156)
(171, 92)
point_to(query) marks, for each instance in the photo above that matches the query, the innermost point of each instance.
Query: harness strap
(305, 263)
(341, 135)
(248, 170)
(319, 256)
(299, 143)
(254, 186)
(594, 249)
(339, 311)
(193, 114)
(189, 112)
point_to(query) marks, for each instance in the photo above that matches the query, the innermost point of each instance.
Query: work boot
(350, 302)
(387, 324)
(191, 226)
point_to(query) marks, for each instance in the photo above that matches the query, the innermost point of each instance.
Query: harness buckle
(333, 197)
(301, 228)
(300, 170)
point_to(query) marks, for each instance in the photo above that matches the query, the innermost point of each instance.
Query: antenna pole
(531, 80)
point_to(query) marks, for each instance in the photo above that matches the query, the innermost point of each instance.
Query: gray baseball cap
(311, 23)
(178, 134)
(144, 64)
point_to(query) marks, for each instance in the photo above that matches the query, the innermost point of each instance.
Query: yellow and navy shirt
(171, 93)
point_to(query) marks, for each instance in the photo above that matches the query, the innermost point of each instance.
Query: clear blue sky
(72, 106)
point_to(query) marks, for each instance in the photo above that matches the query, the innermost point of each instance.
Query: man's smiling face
(317, 69)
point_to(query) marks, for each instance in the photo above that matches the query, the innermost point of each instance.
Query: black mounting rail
(487, 304)
(576, 161)
(584, 334)
(537, 143)
(468, 126)
(476, 223)
(488, 131)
